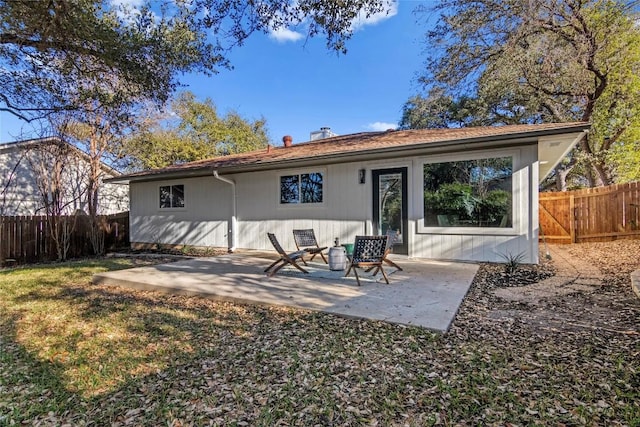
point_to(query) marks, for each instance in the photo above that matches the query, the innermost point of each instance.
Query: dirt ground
(582, 288)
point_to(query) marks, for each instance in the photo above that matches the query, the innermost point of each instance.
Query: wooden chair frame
(391, 239)
(368, 253)
(285, 258)
(306, 240)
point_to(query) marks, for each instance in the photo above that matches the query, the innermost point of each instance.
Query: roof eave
(437, 147)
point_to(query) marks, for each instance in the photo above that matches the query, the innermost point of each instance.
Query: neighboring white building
(453, 194)
(26, 165)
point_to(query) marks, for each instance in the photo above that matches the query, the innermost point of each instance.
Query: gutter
(442, 146)
(234, 222)
(342, 157)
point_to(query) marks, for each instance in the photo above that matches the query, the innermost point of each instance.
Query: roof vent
(324, 132)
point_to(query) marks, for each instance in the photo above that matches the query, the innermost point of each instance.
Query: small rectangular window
(302, 188)
(172, 196)
(290, 189)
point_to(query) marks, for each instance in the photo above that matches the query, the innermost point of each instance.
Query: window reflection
(303, 188)
(471, 193)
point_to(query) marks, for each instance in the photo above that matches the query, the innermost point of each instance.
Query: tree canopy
(191, 130)
(533, 61)
(55, 54)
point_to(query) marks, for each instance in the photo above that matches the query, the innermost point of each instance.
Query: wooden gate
(556, 222)
(591, 215)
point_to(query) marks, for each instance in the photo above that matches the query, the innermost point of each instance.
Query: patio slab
(426, 293)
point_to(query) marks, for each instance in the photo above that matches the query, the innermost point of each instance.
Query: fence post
(572, 216)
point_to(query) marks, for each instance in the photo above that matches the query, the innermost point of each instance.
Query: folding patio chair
(368, 253)
(285, 258)
(306, 240)
(392, 237)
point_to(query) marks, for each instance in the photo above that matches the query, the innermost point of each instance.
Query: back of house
(466, 194)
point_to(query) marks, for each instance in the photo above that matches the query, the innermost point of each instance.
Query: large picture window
(301, 188)
(469, 193)
(172, 196)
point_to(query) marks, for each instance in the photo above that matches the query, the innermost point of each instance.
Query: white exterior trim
(516, 202)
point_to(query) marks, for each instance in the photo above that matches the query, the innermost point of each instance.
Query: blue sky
(299, 86)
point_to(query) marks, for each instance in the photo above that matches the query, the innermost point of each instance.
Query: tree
(531, 61)
(191, 130)
(55, 168)
(99, 131)
(439, 110)
(47, 47)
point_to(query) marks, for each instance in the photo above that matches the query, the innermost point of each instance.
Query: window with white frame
(469, 193)
(303, 188)
(171, 196)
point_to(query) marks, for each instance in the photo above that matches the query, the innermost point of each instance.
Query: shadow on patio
(426, 293)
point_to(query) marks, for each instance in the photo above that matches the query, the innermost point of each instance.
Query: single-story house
(453, 194)
(27, 179)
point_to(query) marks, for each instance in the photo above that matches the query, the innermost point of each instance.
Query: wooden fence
(27, 239)
(591, 215)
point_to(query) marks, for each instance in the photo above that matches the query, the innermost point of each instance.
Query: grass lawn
(74, 353)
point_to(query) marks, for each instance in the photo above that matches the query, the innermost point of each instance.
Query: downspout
(234, 223)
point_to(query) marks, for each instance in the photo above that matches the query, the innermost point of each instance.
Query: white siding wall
(345, 212)
(202, 222)
(484, 244)
(20, 195)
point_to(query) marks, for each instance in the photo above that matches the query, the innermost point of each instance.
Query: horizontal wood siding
(22, 196)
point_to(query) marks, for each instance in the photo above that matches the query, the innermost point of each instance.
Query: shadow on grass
(128, 357)
(82, 266)
(147, 357)
(86, 343)
(30, 386)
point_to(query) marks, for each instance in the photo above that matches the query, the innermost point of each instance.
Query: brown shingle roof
(365, 142)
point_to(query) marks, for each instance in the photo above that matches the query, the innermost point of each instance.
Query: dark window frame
(301, 189)
(483, 199)
(173, 196)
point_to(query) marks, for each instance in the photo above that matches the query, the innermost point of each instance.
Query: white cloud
(380, 126)
(135, 4)
(127, 10)
(284, 35)
(362, 21)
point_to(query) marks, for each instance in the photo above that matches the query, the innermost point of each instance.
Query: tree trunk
(561, 178)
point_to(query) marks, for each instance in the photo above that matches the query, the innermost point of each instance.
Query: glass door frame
(398, 248)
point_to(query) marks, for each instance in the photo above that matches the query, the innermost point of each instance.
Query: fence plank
(594, 214)
(572, 220)
(28, 239)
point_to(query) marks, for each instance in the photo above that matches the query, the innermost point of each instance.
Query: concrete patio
(426, 293)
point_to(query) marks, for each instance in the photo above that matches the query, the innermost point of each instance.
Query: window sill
(481, 231)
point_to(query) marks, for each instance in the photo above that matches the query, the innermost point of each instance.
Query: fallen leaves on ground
(571, 360)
